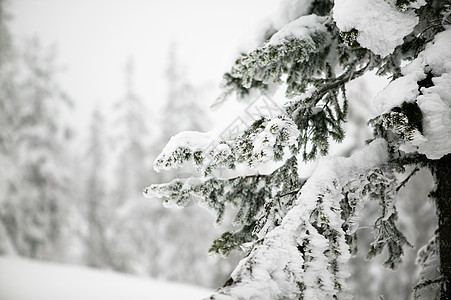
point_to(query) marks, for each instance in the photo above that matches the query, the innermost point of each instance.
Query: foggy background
(91, 91)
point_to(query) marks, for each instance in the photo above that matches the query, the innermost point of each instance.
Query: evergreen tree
(301, 232)
(96, 210)
(8, 107)
(183, 240)
(130, 128)
(182, 99)
(147, 238)
(34, 207)
(130, 172)
(416, 218)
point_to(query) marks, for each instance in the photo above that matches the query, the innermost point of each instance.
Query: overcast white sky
(95, 37)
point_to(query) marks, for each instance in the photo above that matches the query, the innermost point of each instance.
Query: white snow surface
(23, 279)
(435, 104)
(381, 27)
(273, 267)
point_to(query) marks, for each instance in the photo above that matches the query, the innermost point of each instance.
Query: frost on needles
(299, 233)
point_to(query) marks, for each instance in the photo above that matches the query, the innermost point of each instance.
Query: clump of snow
(301, 28)
(189, 139)
(416, 4)
(435, 58)
(367, 158)
(265, 141)
(381, 27)
(418, 138)
(435, 104)
(402, 89)
(437, 55)
(31, 280)
(222, 148)
(192, 140)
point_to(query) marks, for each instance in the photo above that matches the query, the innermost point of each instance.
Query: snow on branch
(303, 57)
(294, 45)
(380, 24)
(261, 201)
(306, 256)
(428, 286)
(265, 140)
(417, 106)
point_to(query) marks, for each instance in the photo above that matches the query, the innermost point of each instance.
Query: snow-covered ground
(22, 279)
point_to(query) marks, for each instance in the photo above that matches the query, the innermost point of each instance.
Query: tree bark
(442, 195)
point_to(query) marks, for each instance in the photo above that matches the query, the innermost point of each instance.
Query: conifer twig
(404, 182)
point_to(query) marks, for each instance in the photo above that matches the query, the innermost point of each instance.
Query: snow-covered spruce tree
(130, 174)
(149, 239)
(301, 232)
(182, 99)
(131, 126)
(94, 208)
(8, 107)
(182, 240)
(35, 205)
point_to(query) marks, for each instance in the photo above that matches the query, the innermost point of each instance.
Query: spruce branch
(428, 282)
(404, 182)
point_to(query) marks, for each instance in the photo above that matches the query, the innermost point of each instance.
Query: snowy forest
(319, 169)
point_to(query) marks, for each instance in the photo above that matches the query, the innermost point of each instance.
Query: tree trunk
(442, 195)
